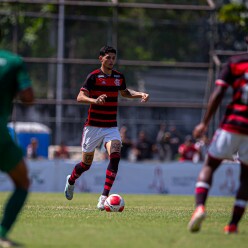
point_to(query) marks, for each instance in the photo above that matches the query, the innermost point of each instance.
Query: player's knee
(19, 176)
(24, 183)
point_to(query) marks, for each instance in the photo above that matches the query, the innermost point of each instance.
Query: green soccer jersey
(13, 78)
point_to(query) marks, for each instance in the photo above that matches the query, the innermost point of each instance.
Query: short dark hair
(107, 49)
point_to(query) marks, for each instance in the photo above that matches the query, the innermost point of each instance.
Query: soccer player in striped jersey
(14, 80)
(230, 138)
(100, 90)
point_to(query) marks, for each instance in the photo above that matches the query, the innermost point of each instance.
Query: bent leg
(205, 179)
(241, 196)
(203, 185)
(19, 176)
(80, 168)
(113, 148)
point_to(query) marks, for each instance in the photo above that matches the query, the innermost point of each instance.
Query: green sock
(12, 209)
(3, 232)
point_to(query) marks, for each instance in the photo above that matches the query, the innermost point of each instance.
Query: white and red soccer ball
(114, 203)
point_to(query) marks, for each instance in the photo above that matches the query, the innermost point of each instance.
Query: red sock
(238, 211)
(110, 178)
(201, 193)
(111, 172)
(77, 172)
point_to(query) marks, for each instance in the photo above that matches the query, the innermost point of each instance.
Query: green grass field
(49, 220)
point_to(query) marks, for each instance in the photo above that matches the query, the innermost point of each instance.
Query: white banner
(177, 178)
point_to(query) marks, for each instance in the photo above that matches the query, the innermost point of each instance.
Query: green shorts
(10, 153)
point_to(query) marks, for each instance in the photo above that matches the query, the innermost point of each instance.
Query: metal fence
(179, 89)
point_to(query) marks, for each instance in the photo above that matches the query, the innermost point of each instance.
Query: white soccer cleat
(4, 242)
(197, 218)
(101, 200)
(69, 189)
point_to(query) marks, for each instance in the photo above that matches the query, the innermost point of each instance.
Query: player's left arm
(27, 96)
(24, 88)
(128, 93)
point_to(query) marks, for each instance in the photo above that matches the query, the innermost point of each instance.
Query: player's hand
(199, 130)
(101, 99)
(144, 97)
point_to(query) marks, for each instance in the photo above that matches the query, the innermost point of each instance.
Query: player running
(100, 90)
(13, 80)
(230, 138)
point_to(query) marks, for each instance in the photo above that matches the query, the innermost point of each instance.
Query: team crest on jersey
(103, 82)
(117, 82)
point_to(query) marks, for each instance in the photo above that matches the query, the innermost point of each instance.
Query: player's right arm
(83, 97)
(213, 103)
(222, 83)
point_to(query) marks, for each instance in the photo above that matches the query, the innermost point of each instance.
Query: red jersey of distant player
(235, 75)
(96, 84)
(187, 152)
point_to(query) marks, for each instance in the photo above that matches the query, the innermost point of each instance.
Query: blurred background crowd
(169, 145)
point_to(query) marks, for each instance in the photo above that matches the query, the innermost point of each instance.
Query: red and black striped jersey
(235, 74)
(96, 84)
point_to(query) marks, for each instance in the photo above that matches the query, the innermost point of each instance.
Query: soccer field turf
(49, 220)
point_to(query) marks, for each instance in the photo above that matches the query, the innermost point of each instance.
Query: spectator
(175, 140)
(62, 152)
(202, 146)
(144, 148)
(162, 143)
(32, 149)
(126, 143)
(160, 134)
(164, 147)
(187, 150)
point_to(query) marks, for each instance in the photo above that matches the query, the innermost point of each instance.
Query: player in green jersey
(14, 81)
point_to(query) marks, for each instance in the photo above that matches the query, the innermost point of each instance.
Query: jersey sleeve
(123, 84)
(88, 83)
(225, 78)
(23, 79)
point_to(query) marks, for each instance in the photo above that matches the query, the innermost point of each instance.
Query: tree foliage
(140, 33)
(234, 13)
(233, 26)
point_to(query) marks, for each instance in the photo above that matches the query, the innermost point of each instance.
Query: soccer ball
(114, 203)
